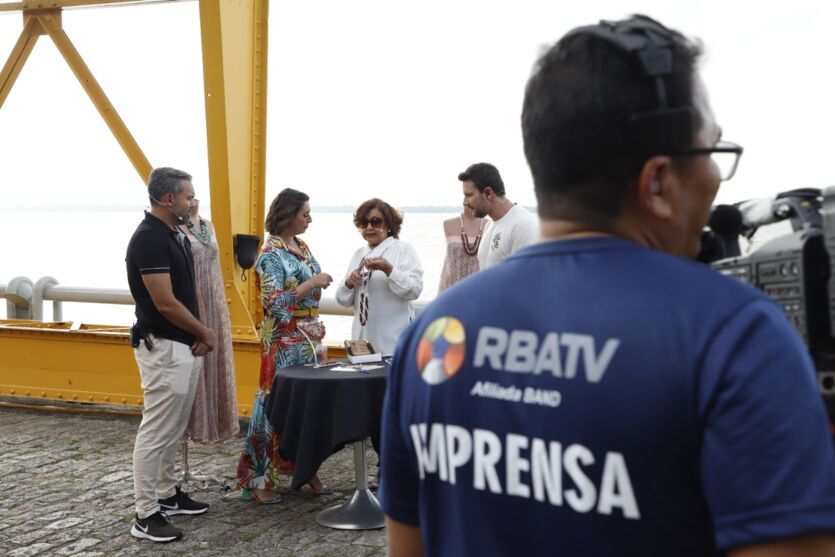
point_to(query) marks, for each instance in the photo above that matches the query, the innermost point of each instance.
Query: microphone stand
(206, 480)
(312, 347)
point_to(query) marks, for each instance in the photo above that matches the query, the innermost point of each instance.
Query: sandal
(263, 496)
(322, 489)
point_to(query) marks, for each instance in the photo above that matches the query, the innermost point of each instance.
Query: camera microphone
(757, 212)
(726, 220)
(722, 240)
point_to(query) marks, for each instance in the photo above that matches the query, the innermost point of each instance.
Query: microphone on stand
(312, 347)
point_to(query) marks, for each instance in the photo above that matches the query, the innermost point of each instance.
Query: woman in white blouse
(383, 277)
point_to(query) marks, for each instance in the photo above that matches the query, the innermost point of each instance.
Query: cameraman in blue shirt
(610, 396)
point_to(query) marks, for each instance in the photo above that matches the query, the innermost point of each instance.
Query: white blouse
(389, 297)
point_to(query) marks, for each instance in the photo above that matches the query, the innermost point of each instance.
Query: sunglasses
(375, 222)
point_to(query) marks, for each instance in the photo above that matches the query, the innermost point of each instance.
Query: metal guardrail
(18, 293)
(25, 299)
(95, 366)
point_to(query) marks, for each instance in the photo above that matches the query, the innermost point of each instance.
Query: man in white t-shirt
(512, 226)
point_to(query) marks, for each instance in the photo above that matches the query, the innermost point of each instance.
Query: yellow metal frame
(48, 22)
(54, 362)
(50, 361)
(234, 36)
(94, 364)
(47, 4)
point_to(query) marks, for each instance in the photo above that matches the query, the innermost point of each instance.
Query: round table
(316, 412)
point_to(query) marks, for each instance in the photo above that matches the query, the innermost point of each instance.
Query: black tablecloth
(317, 411)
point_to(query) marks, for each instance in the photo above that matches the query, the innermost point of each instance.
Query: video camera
(795, 269)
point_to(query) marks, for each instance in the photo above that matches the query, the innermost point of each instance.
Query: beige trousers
(169, 380)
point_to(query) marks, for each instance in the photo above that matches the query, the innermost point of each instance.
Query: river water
(87, 248)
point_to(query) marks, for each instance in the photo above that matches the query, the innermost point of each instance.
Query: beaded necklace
(364, 298)
(203, 236)
(471, 249)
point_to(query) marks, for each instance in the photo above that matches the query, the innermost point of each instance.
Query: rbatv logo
(441, 350)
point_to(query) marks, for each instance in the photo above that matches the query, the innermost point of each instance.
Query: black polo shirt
(155, 247)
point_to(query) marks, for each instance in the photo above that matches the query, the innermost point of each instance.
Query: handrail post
(18, 295)
(38, 293)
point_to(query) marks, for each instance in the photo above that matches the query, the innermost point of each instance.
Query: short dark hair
(483, 175)
(165, 180)
(576, 113)
(284, 209)
(392, 217)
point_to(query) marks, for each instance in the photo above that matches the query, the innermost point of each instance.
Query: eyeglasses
(725, 155)
(375, 222)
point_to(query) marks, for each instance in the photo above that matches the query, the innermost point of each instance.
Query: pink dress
(214, 416)
(457, 263)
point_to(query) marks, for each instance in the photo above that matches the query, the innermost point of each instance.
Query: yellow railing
(94, 364)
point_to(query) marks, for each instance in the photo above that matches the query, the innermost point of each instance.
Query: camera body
(795, 270)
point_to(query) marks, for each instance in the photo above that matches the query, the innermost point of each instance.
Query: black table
(315, 413)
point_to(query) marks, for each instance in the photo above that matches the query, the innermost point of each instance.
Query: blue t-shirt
(593, 397)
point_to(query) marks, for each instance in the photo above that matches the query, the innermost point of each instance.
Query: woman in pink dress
(463, 236)
(214, 416)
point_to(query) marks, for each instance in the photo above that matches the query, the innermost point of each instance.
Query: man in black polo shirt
(169, 343)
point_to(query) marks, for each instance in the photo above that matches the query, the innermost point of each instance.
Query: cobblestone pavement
(67, 489)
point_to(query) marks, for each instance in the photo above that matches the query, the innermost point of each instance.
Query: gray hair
(166, 180)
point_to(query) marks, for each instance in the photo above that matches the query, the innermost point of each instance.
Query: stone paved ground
(66, 489)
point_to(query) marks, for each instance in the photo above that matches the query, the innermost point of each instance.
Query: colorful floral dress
(279, 270)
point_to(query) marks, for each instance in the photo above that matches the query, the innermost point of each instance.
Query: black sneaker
(155, 528)
(181, 503)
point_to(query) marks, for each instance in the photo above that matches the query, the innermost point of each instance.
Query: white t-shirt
(516, 229)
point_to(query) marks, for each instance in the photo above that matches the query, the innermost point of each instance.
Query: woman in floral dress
(290, 282)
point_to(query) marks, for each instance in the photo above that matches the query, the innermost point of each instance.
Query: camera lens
(827, 383)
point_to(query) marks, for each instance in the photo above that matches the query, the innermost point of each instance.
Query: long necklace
(471, 249)
(203, 235)
(363, 310)
(366, 281)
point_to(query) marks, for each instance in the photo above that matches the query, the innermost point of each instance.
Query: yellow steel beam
(49, 4)
(234, 37)
(50, 20)
(51, 362)
(17, 59)
(259, 128)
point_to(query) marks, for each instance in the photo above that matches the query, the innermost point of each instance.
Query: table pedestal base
(362, 511)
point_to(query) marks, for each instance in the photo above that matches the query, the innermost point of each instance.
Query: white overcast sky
(381, 98)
